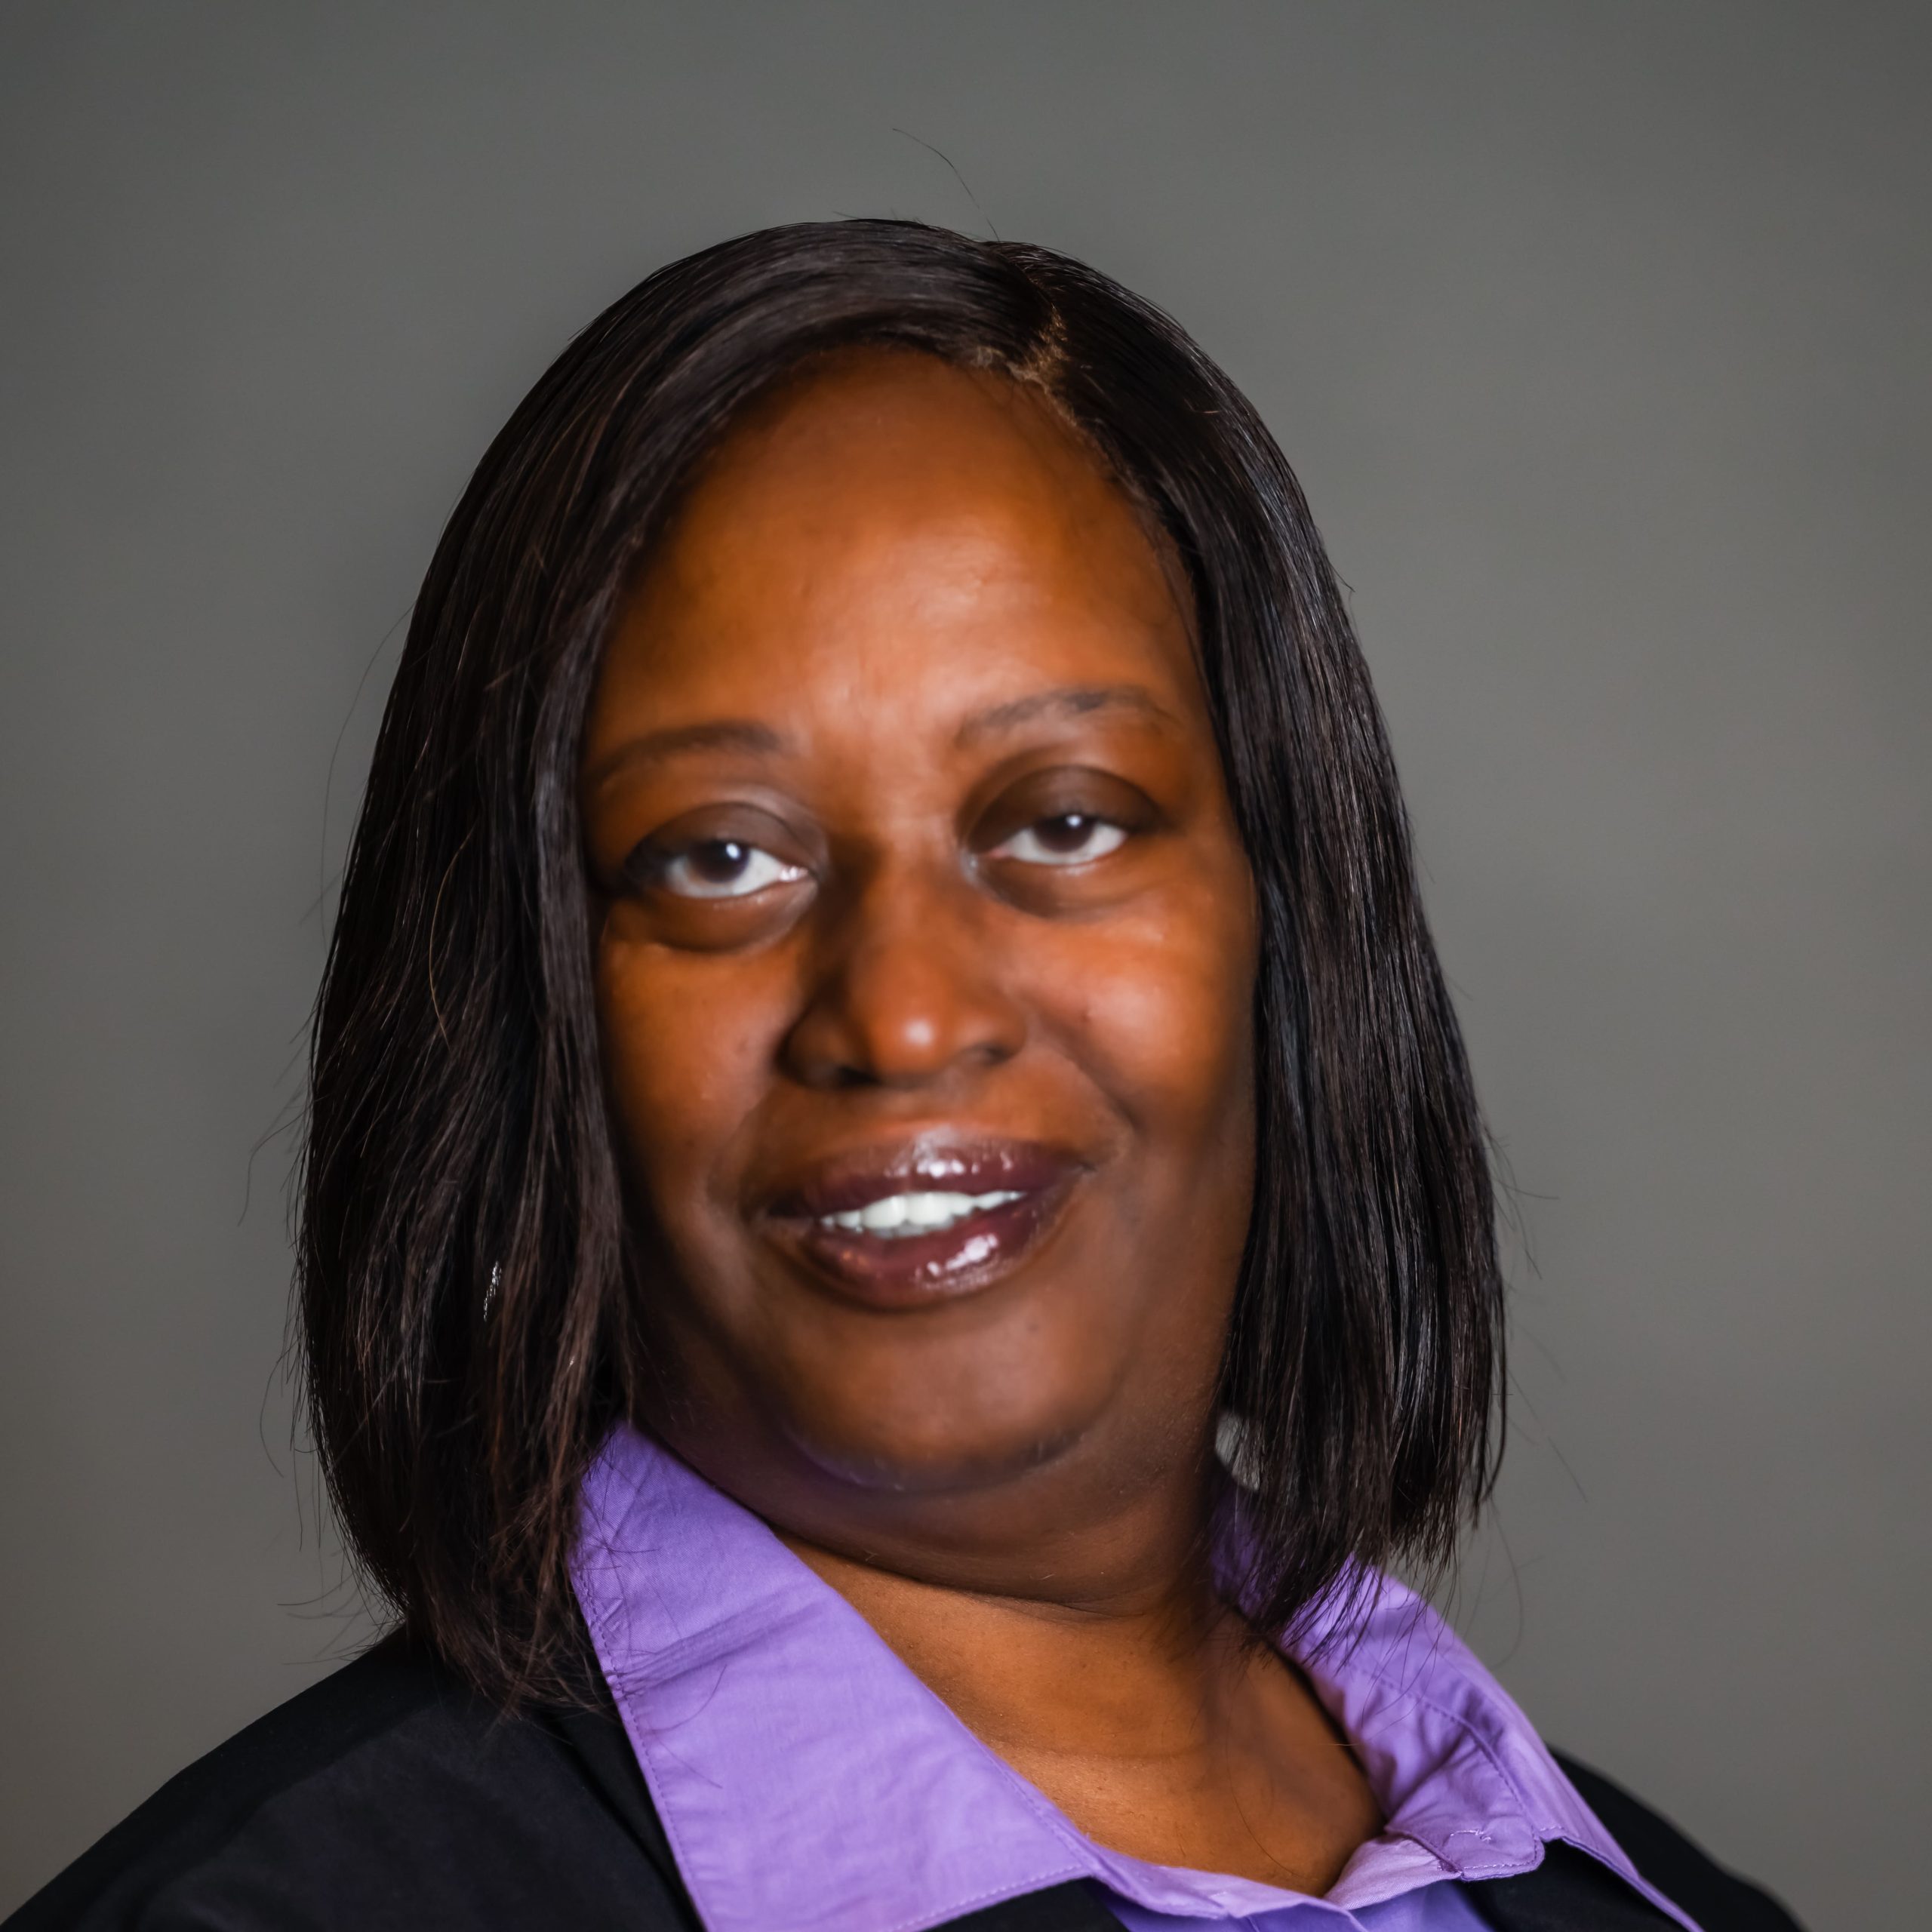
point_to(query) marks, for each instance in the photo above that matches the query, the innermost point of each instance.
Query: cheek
(1160, 1011)
(684, 1057)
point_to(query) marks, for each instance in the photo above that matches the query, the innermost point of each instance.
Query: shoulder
(1570, 1890)
(1718, 1899)
(387, 1796)
(1398, 1643)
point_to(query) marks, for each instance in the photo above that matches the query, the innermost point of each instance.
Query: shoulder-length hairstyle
(471, 1321)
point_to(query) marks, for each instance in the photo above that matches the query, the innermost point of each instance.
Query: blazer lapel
(1568, 1892)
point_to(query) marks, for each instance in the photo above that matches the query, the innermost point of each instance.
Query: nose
(903, 991)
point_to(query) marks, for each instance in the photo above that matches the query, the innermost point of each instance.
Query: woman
(895, 1230)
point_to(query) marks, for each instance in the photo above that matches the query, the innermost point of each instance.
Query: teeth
(900, 1214)
(881, 1217)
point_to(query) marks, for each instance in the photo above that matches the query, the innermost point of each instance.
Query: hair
(470, 1318)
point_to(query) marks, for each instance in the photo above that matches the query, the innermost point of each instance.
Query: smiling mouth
(904, 1216)
(905, 1228)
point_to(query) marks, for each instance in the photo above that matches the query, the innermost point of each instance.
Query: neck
(1114, 1678)
(1088, 1646)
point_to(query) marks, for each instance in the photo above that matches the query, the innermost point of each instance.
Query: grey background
(1598, 333)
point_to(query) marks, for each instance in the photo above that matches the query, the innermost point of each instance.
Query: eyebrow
(728, 734)
(1072, 701)
(746, 734)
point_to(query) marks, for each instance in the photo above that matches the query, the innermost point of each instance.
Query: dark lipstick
(903, 1227)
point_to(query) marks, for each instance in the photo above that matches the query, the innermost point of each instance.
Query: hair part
(471, 1324)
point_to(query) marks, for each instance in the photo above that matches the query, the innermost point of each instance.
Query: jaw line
(875, 1476)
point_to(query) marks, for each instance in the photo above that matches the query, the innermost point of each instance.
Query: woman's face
(925, 966)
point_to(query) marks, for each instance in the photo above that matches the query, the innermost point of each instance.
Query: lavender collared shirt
(808, 1781)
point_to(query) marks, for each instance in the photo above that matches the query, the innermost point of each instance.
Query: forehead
(893, 529)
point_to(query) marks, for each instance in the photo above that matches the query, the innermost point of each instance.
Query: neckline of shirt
(765, 1712)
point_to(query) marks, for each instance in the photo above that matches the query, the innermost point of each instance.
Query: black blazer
(387, 1799)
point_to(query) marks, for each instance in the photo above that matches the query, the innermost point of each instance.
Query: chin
(949, 1455)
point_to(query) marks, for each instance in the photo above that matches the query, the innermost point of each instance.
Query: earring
(489, 1292)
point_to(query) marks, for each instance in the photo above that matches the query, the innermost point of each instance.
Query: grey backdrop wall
(1597, 334)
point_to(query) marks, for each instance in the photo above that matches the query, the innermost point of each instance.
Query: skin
(902, 626)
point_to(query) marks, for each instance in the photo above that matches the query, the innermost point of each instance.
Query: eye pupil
(1066, 833)
(719, 861)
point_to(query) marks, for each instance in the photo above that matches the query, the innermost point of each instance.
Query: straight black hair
(470, 1320)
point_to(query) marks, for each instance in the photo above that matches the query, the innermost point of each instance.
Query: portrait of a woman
(897, 1251)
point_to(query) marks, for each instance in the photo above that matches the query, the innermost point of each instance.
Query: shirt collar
(767, 1714)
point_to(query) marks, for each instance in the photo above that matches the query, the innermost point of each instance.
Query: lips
(904, 1227)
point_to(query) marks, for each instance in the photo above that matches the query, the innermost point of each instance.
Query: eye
(720, 868)
(1067, 839)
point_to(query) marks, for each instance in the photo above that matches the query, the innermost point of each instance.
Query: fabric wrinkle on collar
(765, 1713)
